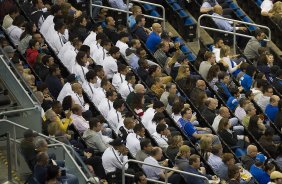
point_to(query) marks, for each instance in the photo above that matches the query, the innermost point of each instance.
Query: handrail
(230, 32)
(57, 142)
(18, 110)
(143, 2)
(161, 167)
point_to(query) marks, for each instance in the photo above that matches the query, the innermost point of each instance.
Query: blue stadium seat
(258, 2)
(155, 13)
(171, 1)
(176, 7)
(185, 49)
(183, 14)
(234, 6)
(252, 28)
(240, 13)
(191, 57)
(189, 22)
(148, 7)
(246, 19)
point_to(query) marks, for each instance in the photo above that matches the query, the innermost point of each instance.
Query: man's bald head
(224, 112)
(139, 88)
(252, 151)
(218, 9)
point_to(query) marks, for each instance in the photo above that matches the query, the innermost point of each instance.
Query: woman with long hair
(256, 127)
(174, 143)
(212, 76)
(138, 104)
(26, 36)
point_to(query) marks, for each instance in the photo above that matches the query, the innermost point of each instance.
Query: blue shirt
(189, 129)
(131, 21)
(246, 82)
(192, 179)
(271, 111)
(259, 174)
(222, 24)
(225, 89)
(232, 103)
(153, 41)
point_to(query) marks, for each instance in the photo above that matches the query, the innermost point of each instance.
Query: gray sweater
(94, 140)
(251, 49)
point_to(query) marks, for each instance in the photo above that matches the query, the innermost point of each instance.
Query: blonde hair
(205, 143)
(181, 72)
(135, 8)
(277, 8)
(175, 141)
(224, 50)
(182, 150)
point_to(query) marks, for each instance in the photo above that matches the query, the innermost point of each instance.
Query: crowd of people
(130, 92)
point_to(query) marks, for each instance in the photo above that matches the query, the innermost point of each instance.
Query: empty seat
(155, 13)
(252, 28)
(240, 13)
(191, 57)
(148, 7)
(171, 1)
(234, 6)
(246, 19)
(176, 7)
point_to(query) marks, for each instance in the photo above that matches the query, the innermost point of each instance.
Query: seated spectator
(264, 100)
(110, 62)
(278, 117)
(209, 111)
(99, 93)
(266, 6)
(206, 65)
(170, 89)
(162, 53)
(249, 159)
(138, 104)
(194, 167)
(110, 29)
(138, 89)
(227, 161)
(278, 159)
(240, 111)
(182, 157)
(256, 127)
(32, 52)
(227, 60)
(78, 98)
(215, 158)
(224, 113)
(251, 49)
(119, 77)
(58, 40)
(14, 31)
(106, 105)
(181, 60)
(175, 142)
(140, 178)
(266, 141)
(131, 51)
(114, 116)
(272, 108)
(234, 174)
(223, 85)
(154, 38)
(250, 111)
(212, 76)
(232, 101)
(154, 172)
(277, 84)
(185, 81)
(205, 145)
(246, 80)
(276, 13)
(218, 43)
(127, 85)
(120, 4)
(26, 36)
(176, 111)
(79, 27)
(9, 18)
(100, 49)
(145, 151)
(42, 68)
(257, 169)
(197, 92)
(275, 177)
(161, 135)
(157, 87)
(265, 62)
(125, 128)
(139, 28)
(80, 68)
(133, 139)
(122, 43)
(158, 107)
(54, 81)
(136, 10)
(78, 120)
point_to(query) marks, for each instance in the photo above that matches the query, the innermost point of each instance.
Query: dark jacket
(54, 85)
(229, 138)
(278, 120)
(248, 161)
(112, 34)
(268, 145)
(140, 33)
(209, 115)
(171, 153)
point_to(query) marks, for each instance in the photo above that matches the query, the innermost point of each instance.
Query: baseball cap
(275, 175)
(9, 49)
(29, 133)
(260, 157)
(117, 142)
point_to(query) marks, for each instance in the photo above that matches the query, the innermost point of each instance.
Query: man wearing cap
(114, 157)
(275, 177)
(257, 171)
(9, 51)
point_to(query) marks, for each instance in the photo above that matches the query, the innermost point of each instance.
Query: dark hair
(19, 21)
(258, 32)
(59, 25)
(67, 103)
(97, 68)
(177, 107)
(121, 67)
(185, 110)
(122, 35)
(137, 101)
(79, 57)
(13, 9)
(28, 30)
(265, 88)
(118, 103)
(193, 158)
(52, 172)
(160, 128)
(222, 124)
(45, 59)
(113, 50)
(152, 69)
(79, 20)
(242, 101)
(137, 176)
(101, 36)
(158, 117)
(217, 39)
(269, 132)
(105, 41)
(250, 70)
(248, 93)
(260, 83)
(138, 128)
(142, 61)
(110, 93)
(234, 91)
(139, 18)
(158, 104)
(144, 143)
(253, 123)
(93, 123)
(85, 48)
(55, 9)
(232, 171)
(138, 51)
(222, 75)
(269, 166)
(32, 43)
(212, 73)
(104, 82)
(53, 68)
(129, 76)
(280, 105)
(90, 75)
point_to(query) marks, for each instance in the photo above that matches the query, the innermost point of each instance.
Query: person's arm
(206, 7)
(99, 143)
(168, 174)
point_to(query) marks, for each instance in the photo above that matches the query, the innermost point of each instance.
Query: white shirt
(216, 122)
(79, 100)
(112, 159)
(97, 53)
(118, 78)
(175, 117)
(80, 72)
(98, 96)
(114, 118)
(152, 172)
(64, 91)
(240, 113)
(266, 6)
(91, 38)
(148, 116)
(257, 94)
(67, 55)
(133, 143)
(80, 123)
(57, 41)
(216, 52)
(105, 106)
(46, 25)
(110, 66)
(263, 101)
(161, 140)
(15, 33)
(151, 127)
(122, 47)
(124, 89)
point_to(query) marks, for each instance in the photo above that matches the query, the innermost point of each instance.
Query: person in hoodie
(32, 52)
